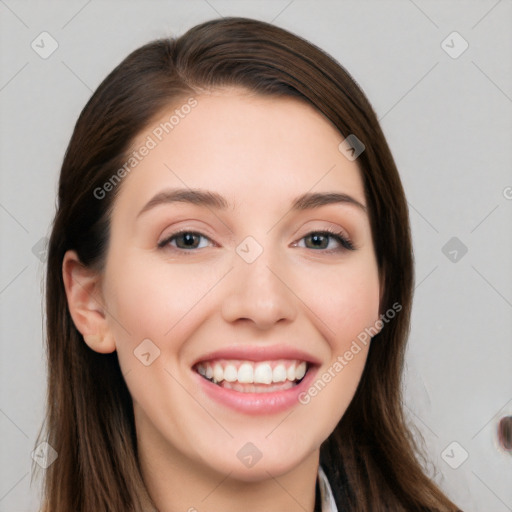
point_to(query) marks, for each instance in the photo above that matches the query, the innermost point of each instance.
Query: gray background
(448, 122)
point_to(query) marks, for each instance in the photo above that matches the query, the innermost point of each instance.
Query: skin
(259, 153)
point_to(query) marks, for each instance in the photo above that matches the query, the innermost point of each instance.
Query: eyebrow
(214, 200)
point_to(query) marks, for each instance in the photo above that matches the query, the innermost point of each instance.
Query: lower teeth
(255, 388)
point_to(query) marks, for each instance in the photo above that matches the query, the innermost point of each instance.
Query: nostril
(505, 432)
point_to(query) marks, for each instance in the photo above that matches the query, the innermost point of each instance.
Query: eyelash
(345, 243)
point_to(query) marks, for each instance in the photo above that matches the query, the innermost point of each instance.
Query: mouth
(245, 376)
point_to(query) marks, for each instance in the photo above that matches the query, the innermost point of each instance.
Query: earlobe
(85, 303)
(104, 344)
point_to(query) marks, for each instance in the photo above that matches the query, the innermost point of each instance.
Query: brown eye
(184, 240)
(322, 240)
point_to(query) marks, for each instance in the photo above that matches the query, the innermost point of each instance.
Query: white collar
(326, 496)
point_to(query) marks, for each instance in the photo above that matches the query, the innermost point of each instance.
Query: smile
(255, 388)
(253, 377)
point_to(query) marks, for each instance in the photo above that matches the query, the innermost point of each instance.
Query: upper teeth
(249, 372)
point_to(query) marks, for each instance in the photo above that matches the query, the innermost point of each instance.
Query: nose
(259, 293)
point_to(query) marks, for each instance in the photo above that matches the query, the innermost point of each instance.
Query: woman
(229, 288)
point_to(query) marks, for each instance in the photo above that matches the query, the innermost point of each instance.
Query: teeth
(279, 374)
(230, 373)
(300, 371)
(218, 373)
(255, 388)
(263, 374)
(248, 372)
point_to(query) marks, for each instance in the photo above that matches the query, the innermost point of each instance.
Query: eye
(322, 240)
(189, 240)
(184, 240)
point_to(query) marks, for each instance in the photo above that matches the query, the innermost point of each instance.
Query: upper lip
(258, 353)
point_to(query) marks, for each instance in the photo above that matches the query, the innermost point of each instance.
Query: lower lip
(257, 403)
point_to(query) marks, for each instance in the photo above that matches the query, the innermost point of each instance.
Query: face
(219, 301)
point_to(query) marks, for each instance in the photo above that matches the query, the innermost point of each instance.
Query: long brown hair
(370, 458)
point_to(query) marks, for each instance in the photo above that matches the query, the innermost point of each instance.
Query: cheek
(347, 306)
(348, 302)
(152, 306)
(345, 299)
(137, 300)
(154, 299)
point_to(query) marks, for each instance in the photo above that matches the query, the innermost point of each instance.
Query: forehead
(242, 145)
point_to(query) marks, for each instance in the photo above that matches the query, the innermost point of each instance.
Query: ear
(85, 302)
